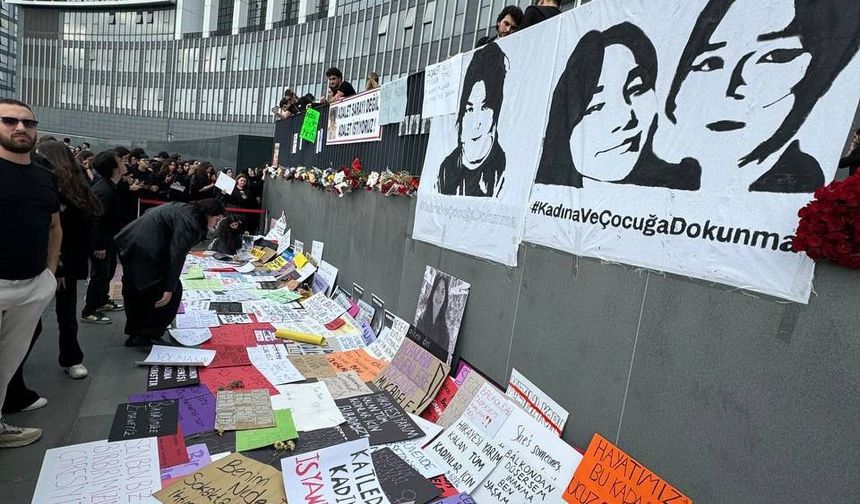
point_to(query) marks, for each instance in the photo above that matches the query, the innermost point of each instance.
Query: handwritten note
(539, 405)
(442, 87)
(392, 102)
(607, 474)
(466, 453)
(313, 366)
(322, 309)
(367, 367)
(346, 385)
(467, 390)
(127, 471)
(241, 318)
(240, 410)
(489, 409)
(273, 362)
(225, 182)
(196, 319)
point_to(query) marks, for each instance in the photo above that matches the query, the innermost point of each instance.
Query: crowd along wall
(731, 397)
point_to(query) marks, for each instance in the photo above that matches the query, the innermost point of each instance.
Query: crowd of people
(510, 20)
(67, 215)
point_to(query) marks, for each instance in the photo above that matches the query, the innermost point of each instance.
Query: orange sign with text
(607, 475)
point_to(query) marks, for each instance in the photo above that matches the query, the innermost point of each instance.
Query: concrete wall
(732, 397)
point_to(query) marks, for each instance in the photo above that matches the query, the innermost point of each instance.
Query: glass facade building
(8, 49)
(227, 63)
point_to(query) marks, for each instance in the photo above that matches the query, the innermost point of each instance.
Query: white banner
(354, 119)
(683, 140)
(480, 161)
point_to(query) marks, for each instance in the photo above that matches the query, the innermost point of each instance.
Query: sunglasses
(13, 121)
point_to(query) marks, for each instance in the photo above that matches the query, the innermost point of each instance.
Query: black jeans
(18, 395)
(142, 319)
(101, 273)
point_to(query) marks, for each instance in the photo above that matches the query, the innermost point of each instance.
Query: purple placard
(196, 406)
(198, 457)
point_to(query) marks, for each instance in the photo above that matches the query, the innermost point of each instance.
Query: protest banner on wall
(442, 87)
(607, 474)
(123, 471)
(392, 101)
(354, 119)
(680, 172)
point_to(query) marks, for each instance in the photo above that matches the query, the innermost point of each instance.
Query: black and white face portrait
(441, 304)
(746, 81)
(615, 123)
(478, 130)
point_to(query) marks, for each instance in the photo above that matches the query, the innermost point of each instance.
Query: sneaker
(112, 306)
(96, 318)
(38, 403)
(76, 372)
(13, 437)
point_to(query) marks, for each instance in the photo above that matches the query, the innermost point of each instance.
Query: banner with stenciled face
(481, 156)
(686, 138)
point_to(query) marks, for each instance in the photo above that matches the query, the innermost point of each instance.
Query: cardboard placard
(346, 385)
(232, 475)
(414, 377)
(239, 410)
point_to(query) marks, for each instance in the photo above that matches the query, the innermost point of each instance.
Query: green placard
(309, 126)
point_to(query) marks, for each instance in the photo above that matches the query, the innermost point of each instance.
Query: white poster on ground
(481, 158)
(122, 471)
(685, 139)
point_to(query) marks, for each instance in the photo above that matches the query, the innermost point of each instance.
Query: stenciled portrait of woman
(476, 167)
(743, 90)
(604, 116)
(441, 304)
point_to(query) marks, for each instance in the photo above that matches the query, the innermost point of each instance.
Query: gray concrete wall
(733, 398)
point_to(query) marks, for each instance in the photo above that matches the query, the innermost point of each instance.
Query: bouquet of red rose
(830, 224)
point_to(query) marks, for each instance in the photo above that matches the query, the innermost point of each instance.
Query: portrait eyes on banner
(476, 166)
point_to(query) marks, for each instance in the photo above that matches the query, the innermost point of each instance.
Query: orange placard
(607, 475)
(367, 367)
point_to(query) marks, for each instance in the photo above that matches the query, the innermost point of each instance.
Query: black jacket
(153, 248)
(111, 219)
(534, 15)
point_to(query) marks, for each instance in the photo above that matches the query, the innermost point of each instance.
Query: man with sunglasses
(30, 237)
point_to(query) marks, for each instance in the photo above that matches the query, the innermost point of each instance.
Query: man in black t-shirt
(338, 88)
(544, 10)
(30, 237)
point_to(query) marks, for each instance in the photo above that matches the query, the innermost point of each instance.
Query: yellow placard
(300, 260)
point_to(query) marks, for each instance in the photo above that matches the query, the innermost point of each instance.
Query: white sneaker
(13, 437)
(76, 372)
(39, 403)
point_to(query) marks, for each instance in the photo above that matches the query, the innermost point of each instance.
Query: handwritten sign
(441, 401)
(233, 475)
(414, 377)
(226, 183)
(536, 465)
(229, 356)
(466, 453)
(377, 417)
(127, 471)
(324, 278)
(489, 409)
(442, 87)
(539, 405)
(367, 367)
(310, 124)
(164, 377)
(392, 102)
(143, 420)
(273, 362)
(196, 406)
(198, 457)
(313, 366)
(240, 410)
(354, 119)
(341, 473)
(167, 356)
(246, 376)
(607, 474)
(191, 337)
(346, 385)
(467, 390)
